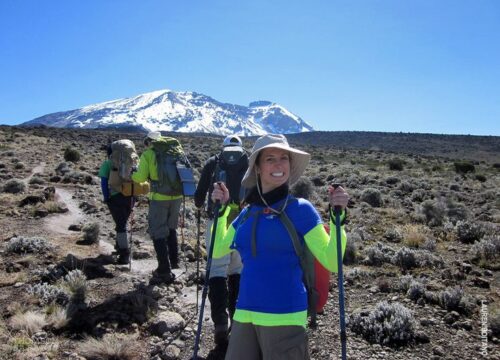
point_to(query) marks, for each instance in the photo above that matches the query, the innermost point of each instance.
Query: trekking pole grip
(336, 209)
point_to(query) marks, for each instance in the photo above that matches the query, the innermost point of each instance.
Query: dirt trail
(61, 222)
(39, 169)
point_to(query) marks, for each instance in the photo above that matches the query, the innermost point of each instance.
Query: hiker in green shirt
(120, 207)
(165, 200)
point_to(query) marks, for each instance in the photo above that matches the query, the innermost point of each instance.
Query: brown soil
(120, 300)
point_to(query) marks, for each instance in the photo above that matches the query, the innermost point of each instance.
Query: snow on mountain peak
(168, 110)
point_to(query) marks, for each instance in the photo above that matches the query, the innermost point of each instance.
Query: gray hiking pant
(254, 342)
(163, 215)
(229, 264)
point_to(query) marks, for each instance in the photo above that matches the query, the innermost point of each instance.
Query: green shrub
(396, 164)
(14, 186)
(37, 180)
(91, 233)
(303, 188)
(71, 154)
(464, 167)
(434, 212)
(372, 197)
(481, 178)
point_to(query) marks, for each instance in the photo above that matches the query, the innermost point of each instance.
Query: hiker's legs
(158, 229)
(243, 344)
(282, 342)
(233, 287)
(120, 208)
(233, 281)
(218, 292)
(173, 210)
(173, 248)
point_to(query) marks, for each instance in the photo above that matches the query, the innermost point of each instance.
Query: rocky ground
(421, 273)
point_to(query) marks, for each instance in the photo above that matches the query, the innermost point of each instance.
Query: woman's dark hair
(109, 150)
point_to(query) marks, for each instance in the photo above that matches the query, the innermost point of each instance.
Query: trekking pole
(198, 223)
(183, 225)
(343, 338)
(132, 222)
(205, 285)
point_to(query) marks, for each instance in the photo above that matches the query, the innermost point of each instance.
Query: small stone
(438, 350)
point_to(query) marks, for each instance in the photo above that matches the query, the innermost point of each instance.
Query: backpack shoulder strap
(306, 259)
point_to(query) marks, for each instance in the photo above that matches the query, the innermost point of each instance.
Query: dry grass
(8, 279)
(111, 346)
(57, 316)
(29, 322)
(414, 236)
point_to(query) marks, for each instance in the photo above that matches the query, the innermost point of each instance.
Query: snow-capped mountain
(181, 112)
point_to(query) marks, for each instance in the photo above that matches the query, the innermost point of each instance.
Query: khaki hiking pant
(163, 215)
(254, 342)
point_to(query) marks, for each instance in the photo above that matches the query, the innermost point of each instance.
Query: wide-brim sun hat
(298, 159)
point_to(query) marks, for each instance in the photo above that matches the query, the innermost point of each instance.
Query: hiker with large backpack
(228, 166)
(272, 235)
(114, 172)
(158, 164)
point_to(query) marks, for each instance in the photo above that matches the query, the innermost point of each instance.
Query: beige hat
(298, 159)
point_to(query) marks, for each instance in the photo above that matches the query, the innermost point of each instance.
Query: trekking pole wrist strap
(343, 215)
(224, 210)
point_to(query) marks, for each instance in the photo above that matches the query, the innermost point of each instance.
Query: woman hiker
(271, 312)
(120, 207)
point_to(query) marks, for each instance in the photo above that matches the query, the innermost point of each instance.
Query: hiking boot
(123, 257)
(217, 294)
(160, 245)
(162, 278)
(173, 249)
(221, 335)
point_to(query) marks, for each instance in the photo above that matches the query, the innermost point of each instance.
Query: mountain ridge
(167, 110)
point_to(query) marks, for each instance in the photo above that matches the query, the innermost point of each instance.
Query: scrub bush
(378, 254)
(303, 188)
(91, 233)
(464, 167)
(372, 197)
(14, 186)
(416, 290)
(405, 258)
(434, 212)
(71, 154)
(487, 249)
(396, 164)
(22, 245)
(387, 324)
(469, 232)
(453, 299)
(48, 294)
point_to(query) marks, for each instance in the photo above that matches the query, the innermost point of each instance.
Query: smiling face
(273, 168)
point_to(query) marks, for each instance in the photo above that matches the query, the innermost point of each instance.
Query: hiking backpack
(168, 152)
(231, 165)
(123, 159)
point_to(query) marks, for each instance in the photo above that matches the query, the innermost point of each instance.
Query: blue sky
(430, 66)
